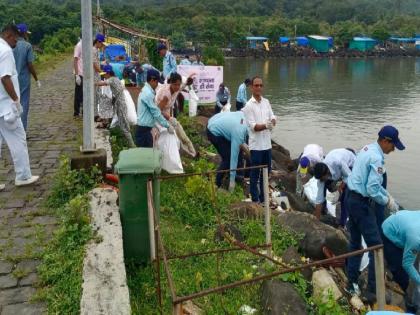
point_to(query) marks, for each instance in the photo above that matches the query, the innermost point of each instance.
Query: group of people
(16, 68)
(360, 178)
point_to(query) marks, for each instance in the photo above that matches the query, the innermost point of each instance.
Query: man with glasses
(261, 121)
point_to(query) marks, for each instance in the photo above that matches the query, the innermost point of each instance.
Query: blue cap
(107, 68)
(304, 162)
(100, 38)
(23, 28)
(161, 46)
(391, 133)
(154, 74)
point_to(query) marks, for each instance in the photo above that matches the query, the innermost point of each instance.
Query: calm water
(344, 103)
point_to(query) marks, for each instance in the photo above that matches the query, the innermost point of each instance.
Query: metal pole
(267, 216)
(380, 278)
(152, 222)
(88, 131)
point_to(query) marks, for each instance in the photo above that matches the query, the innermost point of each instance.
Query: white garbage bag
(310, 189)
(131, 108)
(226, 108)
(169, 145)
(365, 258)
(193, 103)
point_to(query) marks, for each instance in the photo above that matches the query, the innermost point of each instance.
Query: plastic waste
(193, 103)
(131, 108)
(169, 145)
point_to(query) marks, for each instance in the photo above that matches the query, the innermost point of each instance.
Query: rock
(5, 266)
(324, 285)
(104, 278)
(291, 256)
(24, 309)
(395, 299)
(206, 111)
(298, 204)
(283, 179)
(230, 229)
(356, 303)
(202, 121)
(8, 281)
(279, 298)
(247, 210)
(315, 234)
(279, 148)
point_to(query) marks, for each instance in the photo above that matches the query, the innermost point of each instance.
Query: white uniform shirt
(314, 153)
(7, 68)
(258, 113)
(339, 162)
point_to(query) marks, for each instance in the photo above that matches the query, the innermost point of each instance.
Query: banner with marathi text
(206, 81)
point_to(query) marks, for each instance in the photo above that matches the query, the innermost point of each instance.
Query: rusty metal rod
(215, 251)
(168, 271)
(270, 275)
(209, 172)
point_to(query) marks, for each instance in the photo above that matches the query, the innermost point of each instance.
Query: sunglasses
(258, 85)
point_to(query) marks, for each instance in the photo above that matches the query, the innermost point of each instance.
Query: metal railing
(159, 253)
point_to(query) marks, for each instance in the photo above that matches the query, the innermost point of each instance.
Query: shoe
(353, 289)
(25, 182)
(2, 186)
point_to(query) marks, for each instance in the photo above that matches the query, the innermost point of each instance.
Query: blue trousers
(24, 101)
(259, 158)
(363, 221)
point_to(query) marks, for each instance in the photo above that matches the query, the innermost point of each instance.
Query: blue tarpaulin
(114, 51)
(402, 39)
(302, 41)
(284, 40)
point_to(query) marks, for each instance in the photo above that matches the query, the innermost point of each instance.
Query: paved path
(24, 227)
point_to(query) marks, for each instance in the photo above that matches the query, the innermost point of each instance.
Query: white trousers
(15, 137)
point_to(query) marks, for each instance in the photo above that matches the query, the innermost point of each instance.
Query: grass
(47, 62)
(62, 261)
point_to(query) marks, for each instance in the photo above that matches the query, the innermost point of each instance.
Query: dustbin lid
(139, 161)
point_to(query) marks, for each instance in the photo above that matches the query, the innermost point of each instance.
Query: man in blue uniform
(365, 192)
(148, 113)
(24, 58)
(169, 62)
(227, 132)
(401, 238)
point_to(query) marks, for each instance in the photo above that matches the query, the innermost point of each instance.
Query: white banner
(206, 81)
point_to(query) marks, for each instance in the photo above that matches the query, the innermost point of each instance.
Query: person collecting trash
(118, 102)
(312, 154)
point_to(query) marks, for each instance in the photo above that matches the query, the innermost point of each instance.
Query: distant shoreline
(306, 53)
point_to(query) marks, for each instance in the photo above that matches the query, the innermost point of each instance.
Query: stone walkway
(24, 227)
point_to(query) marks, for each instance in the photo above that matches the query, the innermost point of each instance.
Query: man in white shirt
(336, 167)
(261, 121)
(312, 154)
(11, 127)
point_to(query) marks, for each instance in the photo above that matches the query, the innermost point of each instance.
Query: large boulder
(323, 285)
(283, 179)
(292, 257)
(281, 156)
(279, 298)
(316, 234)
(247, 210)
(298, 204)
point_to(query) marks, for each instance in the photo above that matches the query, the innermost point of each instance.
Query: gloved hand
(18, 107)
(171, 129)
(231, 186)
(269, 125)
(173, 122)
(78, 79)
(38, 83)
(392, 205)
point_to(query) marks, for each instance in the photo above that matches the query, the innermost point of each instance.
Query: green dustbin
(135, 167)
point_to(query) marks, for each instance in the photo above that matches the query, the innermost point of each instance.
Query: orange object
(112, 178)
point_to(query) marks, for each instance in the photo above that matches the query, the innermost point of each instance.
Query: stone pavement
(24, 226)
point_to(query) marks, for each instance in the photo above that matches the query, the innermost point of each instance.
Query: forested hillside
(223, 22)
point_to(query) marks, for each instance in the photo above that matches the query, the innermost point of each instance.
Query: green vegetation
(62, 261)
(55, 23)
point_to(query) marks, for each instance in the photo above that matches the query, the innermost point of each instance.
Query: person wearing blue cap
(312, 154)
(169, 62)
(24, 58)
(401, 239)
(364, 192)
(148, 113)
(227, 131)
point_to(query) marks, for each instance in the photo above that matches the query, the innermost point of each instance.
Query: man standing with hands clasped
(365, 191)
(261, 121)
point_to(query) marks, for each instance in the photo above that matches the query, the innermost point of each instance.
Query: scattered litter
(247, 310)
